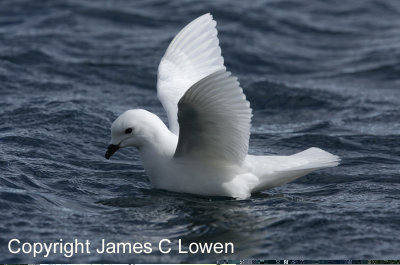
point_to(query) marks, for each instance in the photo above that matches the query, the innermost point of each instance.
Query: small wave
(268, 95)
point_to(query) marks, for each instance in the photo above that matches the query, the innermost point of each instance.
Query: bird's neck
(160, 143)
(157, 153)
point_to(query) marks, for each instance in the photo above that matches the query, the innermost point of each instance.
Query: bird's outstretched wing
(214, 118)
(193, 54)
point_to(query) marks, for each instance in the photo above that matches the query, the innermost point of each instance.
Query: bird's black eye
(129, 130)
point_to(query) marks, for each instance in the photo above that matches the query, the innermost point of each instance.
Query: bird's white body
(209, 176)
(205, 151)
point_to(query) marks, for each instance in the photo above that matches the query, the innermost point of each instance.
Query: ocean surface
(317, 73)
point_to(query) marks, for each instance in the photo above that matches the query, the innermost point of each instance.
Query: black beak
(111, 149)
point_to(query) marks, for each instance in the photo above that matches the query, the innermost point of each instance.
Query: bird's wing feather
(214, 118)
(193, 54)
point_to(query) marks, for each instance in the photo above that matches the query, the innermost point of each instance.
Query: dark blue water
(317, 73)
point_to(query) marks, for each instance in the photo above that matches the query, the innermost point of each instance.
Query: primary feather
(193, 54)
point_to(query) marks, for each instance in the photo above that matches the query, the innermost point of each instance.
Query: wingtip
(206, 15)
(210, 18)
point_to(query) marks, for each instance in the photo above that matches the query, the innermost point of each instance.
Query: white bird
(205, 149)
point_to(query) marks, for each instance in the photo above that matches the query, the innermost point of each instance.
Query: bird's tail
(315, 158)
(278, 170)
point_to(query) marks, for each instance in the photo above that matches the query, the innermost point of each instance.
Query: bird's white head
(135, 128)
